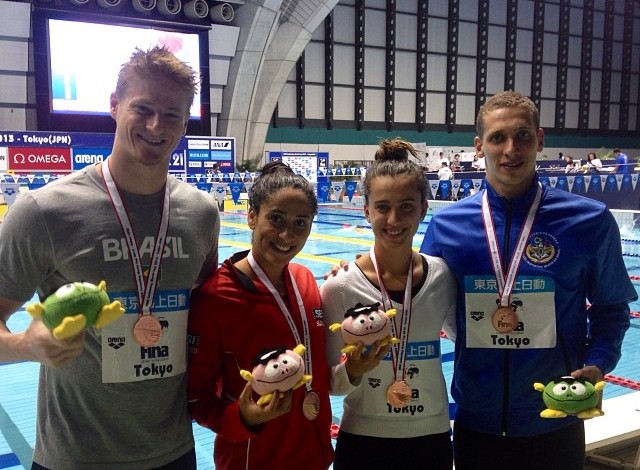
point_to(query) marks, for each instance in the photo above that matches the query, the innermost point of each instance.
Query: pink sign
(40, 159)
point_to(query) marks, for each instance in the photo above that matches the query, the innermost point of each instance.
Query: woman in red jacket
(259, 301)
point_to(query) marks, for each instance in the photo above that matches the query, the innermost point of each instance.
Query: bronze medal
(399, 394)
(311, 405)
(504, 320)
(147, 331)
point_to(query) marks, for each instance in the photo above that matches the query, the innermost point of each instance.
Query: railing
(627, 220)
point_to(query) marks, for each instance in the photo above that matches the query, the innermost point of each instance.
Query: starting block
(613, 440)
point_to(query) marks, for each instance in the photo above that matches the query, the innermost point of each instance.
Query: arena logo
(374, 382)
(116, 342)
(84, 158)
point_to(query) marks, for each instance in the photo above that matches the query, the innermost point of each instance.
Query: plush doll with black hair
(279, 369)
(366, 324)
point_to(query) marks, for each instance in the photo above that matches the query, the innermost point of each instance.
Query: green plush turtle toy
(570, 396)
(74, 306)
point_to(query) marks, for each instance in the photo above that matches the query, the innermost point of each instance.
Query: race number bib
(533, 304)
(124, 360)
(428, 395)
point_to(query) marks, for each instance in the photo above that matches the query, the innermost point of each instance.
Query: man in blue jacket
(542, 292)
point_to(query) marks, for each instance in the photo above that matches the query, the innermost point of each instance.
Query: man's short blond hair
(157, 62)
(507, 99)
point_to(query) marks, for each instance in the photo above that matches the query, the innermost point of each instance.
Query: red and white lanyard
(285, 311)
(145, 290)
(506, 285)
(398, 350)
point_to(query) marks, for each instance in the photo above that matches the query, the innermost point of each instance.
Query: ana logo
(542, 251)
(225, 144)
(116, 342)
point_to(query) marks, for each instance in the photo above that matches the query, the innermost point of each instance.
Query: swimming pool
(339, 232)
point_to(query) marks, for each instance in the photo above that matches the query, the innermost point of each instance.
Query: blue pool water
(338, 233)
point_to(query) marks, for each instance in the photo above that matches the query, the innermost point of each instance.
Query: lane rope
(614, 379)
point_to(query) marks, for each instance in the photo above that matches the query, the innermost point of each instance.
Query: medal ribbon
(398, 350)
(285, 311)
(145, 291)
(505, 286)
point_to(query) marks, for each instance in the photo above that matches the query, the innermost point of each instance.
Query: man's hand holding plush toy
(39, 343)
(56, 334)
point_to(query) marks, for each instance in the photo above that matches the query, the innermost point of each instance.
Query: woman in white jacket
(396, 409)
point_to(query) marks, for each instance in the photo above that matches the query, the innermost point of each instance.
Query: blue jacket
(624, 166)
(574, 250)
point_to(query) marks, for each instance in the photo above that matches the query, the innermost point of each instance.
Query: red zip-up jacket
(231, 319)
